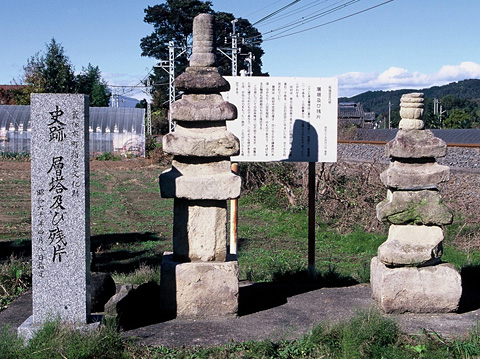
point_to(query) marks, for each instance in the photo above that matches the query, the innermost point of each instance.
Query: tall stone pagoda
(199, 279)
(408, 274)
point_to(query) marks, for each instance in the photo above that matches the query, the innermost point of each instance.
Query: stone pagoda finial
(199, 278)
(203, 51)
(408, 274)
(411, 111)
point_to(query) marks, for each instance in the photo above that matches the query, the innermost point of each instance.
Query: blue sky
(401, 44)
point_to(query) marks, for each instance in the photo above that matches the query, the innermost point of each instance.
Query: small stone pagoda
(408, 274)
(199, 278)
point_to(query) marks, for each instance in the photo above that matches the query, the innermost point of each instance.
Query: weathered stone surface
(203, 41)
(407, 125)
(203, 80)
(202, 282)
(102, 288)
(414, 176)
(213, 144)
(203, 107)
(432, 289)
(111, 305)
(199, 230)
(217, 187)
(414, 207)
(411, 245)
(193, 166)
(411, 106)
(199, 289)
(140, 307)
(416, 144)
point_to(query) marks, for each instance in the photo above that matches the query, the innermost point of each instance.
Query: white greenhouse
(118, 130)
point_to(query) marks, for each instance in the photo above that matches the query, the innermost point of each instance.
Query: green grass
(274, 242)
(143, 274)
(368, 334)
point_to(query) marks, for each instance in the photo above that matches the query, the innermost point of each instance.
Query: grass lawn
(131, 226)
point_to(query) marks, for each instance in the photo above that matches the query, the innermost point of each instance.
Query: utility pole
(169, 67)
(149, 109)
(389, 113)
(234, 49)
(171, 83)
(249, 61)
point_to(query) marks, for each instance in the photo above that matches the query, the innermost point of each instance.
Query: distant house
(7, 93)
(352, 113)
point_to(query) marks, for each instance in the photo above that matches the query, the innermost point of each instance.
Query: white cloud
(395, 78)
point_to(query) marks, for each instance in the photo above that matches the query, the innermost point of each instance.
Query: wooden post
(234, 218)
(311, 221)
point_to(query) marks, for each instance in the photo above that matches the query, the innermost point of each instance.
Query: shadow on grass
(106, 259)
(470, 299)
(257, 297)
(17, 248)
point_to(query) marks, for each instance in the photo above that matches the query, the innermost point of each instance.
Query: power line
(263, 8)
(295, 11)
(329, 22)
(315, 16)
(276, 12)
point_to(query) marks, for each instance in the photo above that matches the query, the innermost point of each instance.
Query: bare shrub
(347, 194)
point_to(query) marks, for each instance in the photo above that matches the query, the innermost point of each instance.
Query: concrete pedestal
(199, 289)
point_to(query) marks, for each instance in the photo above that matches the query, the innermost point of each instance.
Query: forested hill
(377, 101)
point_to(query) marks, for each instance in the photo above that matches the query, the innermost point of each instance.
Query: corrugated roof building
(118, 130)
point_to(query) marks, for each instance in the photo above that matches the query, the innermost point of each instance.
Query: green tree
(458, 119)
(48, 72)
(90, 82)
(52, 72)
(173, 21)
(57, 72)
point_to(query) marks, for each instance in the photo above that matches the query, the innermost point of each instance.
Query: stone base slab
(28, 329)
(199, 289)
(433, 289)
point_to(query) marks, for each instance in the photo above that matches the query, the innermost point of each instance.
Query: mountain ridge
(377, 101)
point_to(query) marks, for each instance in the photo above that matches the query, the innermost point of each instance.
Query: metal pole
(312, 273)
(234, 50)
(149, 109)
(171, 86)
(234, 218)
(389, 111)
(234, 202)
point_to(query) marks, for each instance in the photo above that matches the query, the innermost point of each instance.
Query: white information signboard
(284, 118)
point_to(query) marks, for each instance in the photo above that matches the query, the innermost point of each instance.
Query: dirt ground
(15, 190)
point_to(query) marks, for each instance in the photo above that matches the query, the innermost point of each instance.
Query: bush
(16, 156)
(107, 156)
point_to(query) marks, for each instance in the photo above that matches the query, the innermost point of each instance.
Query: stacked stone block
(408, 274)
(199, 278)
